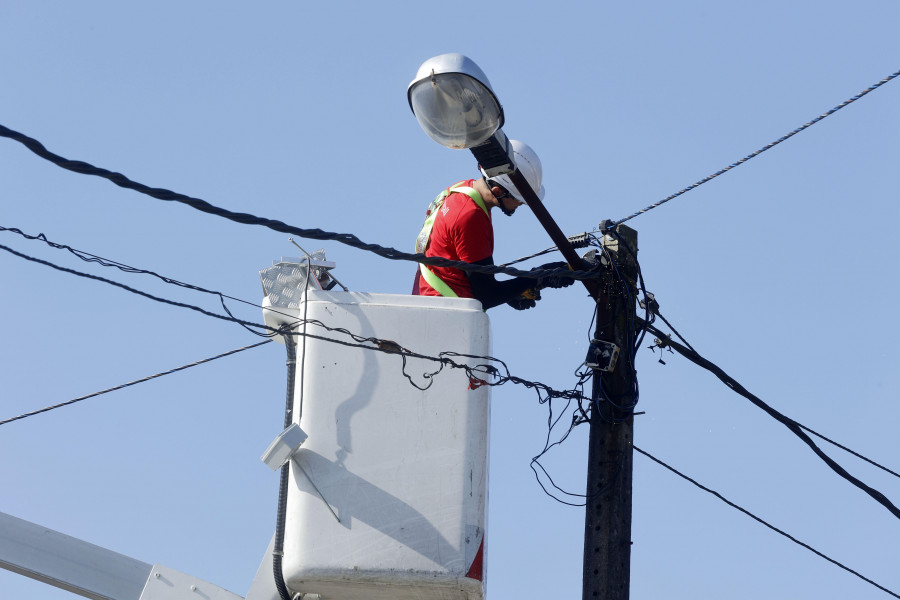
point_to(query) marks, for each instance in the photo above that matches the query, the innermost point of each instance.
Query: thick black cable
(793, 426)
(761, 150)
(846, 449)
(135, 382)
(247, 219)
(675, 331)
(759, 520)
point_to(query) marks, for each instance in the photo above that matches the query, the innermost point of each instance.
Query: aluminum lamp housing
(453, 101)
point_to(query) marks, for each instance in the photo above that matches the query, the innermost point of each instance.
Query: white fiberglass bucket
(405, 470)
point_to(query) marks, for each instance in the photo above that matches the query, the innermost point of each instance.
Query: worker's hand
(527, 300)
(554, 281)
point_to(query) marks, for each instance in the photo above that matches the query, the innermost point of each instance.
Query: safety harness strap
(430, 277)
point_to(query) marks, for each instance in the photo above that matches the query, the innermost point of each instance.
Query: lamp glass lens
(455, 110)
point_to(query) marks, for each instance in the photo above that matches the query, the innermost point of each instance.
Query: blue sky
(780, 271)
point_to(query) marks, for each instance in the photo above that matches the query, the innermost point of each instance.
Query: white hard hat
(529, 166)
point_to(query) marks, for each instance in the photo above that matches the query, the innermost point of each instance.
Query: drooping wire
(575, 420)
(275, 225)
(246, 324)
(759, 520)
(763, 149)
(130, 383)
(105, 262)
(501, 375)
(664, 341)
(578, 390)
(545, 394)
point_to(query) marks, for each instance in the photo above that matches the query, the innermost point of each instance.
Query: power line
(248, 219)
(846, 449)
(761, 150)
(106, 262)
(135, 382)
(130, 289)
(575, 393)
(770, 526)
(650, 305)
(664, 341)
(502, 375)
(545, 393)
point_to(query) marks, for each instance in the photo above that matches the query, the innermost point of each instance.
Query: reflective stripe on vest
(430, 277)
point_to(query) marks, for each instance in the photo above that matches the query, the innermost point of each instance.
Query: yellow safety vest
(430, 277)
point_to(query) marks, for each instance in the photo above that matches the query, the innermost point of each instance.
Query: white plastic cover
(405, 470)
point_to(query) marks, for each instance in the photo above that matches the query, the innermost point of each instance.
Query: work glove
(554, 281)
(527, 300)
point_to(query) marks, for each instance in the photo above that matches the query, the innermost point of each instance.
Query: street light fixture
(453, 101)
(455, 105)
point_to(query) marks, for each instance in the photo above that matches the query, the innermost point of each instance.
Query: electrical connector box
(602, 356)
(284, 446)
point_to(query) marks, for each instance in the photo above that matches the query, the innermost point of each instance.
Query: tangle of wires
(481, 370)
(616, 391)
(489, 371)
(602, 404)
(576, 416)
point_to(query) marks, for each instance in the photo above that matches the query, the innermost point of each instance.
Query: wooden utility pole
(607, 526)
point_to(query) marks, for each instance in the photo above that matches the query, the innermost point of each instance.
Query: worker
(458, 227)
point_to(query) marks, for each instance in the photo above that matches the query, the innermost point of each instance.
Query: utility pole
(607, 525)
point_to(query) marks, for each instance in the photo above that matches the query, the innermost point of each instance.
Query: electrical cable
(543, 391)
(664, 341)
(580, 240)
(130, 383)
(246, 324)
(761, 150)
(759, 520)
(105, 262)
(281, 512)
(89, 257)
(551, 425)
(275, 225)
(611, 410)
(846, 449)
